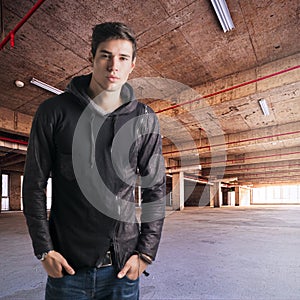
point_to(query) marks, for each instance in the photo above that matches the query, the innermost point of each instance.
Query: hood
(95, 115)
(79, 85)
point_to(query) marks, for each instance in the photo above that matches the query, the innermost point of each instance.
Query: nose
(113, 64)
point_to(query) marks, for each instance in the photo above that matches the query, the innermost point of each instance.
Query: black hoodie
(94, 160)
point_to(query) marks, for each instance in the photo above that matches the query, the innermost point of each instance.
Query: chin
(114, 88)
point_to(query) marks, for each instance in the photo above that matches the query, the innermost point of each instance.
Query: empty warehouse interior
(228, 104)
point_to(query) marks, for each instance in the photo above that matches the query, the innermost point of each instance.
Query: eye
(124, 58)
(105, 55)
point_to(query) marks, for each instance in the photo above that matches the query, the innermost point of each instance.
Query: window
(5, 198)
(283, 194)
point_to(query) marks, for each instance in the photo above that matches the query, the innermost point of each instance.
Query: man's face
(112, 65)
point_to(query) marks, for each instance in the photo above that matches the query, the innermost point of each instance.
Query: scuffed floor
(206, 253)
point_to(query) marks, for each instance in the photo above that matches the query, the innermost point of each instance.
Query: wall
(196, 194)
(242, 196)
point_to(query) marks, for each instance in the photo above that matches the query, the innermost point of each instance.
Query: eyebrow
(108, 52)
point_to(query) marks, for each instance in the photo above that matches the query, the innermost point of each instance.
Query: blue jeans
(92, 283)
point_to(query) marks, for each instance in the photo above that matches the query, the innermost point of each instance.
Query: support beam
(14, 122)
(15, 191)
(0, 190)
(242, 196)
(246, 141)
(216, 198)
(178, 191)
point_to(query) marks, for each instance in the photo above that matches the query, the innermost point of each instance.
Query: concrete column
(218, 199)
(216, 195)
(219, 196)
(212, 191)
(178, 191)
(242, 196)
(15, 191)
(0, 190)
(251, 196)
(237, 195)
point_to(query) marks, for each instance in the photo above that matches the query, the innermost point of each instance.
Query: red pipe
(235, 142)
(11, 35)
(261, 168)
(253, 157)
(272, 177)
(266, 156)
(229, 89)
(6, 139)
(257, 174)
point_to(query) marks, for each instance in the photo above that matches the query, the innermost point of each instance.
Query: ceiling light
(46, 86)
(264, 106)
(19, 83)
(223, 14)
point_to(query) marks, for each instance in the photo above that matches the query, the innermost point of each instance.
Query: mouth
(112, 78)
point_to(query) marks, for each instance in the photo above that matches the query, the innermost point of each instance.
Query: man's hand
(54, 263)
(133, 268)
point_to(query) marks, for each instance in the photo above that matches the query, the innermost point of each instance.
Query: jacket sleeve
(152, 171)
(38, 165)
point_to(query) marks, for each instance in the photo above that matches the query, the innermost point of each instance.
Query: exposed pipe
(234, 142)
(272, 177)
(261, 174)
(197, 99)
(199, 180)
(253, 157)
(261, 168)
(11, 35)
(229, 89)
(248, 158)
(7, 139)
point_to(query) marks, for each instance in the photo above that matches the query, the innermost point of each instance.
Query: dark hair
(112, 31)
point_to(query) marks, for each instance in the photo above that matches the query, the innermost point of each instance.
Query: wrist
(145, 258)
(42, 256)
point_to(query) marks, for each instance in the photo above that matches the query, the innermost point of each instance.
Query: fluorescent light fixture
(264, 106)
(223, 14)
(46, 86)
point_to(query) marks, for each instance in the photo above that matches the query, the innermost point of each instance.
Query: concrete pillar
(178, 191)
(237, 195)
(216, 195)
(0, 190)
(15, 191)
(251, 196)
(242, 196)
(212, 191)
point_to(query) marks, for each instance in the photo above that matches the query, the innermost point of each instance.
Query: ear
(91, 59)
(133, 64)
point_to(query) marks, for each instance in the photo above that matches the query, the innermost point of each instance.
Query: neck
(107, 100)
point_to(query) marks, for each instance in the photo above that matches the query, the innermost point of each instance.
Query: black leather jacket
(94, 160)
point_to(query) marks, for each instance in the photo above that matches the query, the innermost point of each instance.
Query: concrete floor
(205, 253)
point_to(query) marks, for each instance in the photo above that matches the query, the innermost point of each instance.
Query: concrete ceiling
(204, 84)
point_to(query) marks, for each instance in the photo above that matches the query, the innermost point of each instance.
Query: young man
(94, 140)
